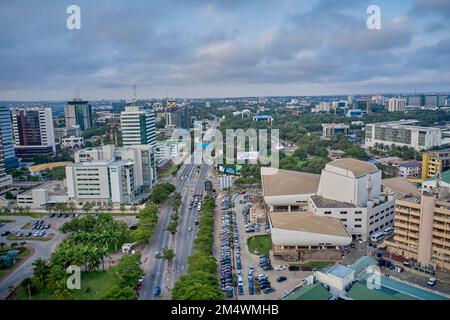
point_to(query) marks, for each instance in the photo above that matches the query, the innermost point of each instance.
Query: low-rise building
(304, 235)
(330, 130)
(73, 142)
(402, 133)
(410, 169)
(51, 192)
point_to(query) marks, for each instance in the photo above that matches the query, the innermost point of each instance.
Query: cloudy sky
(201, 48)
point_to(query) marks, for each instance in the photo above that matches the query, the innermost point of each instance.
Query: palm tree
(41, 271)
(122, 208)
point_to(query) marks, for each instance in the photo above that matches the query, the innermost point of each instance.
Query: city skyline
(213, 49)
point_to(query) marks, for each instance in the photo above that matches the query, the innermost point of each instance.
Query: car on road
(279, 268)
(2, 224)
(281, 279)
(431, 282)
(60, 215)
(196, 222)
(157, 254)
(19, 234)
(52, 215)
(6, 233)
(29, 234)
(190, 229)
(157, 291)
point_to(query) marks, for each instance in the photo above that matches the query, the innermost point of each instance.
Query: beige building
(422, 229)
(304, 235)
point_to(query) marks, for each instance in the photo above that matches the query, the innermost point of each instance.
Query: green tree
(202, 262)
(128, 270)
(168, 254)
(41, 271)
(120, 293)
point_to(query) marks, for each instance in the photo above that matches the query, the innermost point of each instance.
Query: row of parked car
(264, 263)
(226, 267)
(237, 247)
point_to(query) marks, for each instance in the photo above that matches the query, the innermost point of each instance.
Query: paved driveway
(42, 249)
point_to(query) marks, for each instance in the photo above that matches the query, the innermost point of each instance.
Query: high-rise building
(363, 104)
(395, 104)
(180, 117)
(5, 180)
(417, 100)
(138, 127)
(10, 158)
(33, 131)
(78, 112)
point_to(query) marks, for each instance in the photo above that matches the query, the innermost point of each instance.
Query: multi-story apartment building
(402, 133)
(11, 160)
(435, 162)
(168, 150)
(422, 229)
(78, 113)
(33, 131)
(395, 104)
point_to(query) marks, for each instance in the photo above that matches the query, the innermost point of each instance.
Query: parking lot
(245, 265)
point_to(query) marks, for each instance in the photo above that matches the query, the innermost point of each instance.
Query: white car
(190, 228)
(279, 268)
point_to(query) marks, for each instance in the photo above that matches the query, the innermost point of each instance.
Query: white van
(388, 231)
(377, 237)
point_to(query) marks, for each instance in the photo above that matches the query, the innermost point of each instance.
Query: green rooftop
(359, 291)
(311, 292)
(445, 177)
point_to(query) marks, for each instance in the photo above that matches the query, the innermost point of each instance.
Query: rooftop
(338, 270)
(45, 166)
(55, 188)
(412, 163)
(357, 167)
(277, 182)
(307, 222)
(311, 292)
(445, 177)
(401, 186)
(322, 202)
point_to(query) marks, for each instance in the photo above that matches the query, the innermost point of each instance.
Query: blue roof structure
(262, 117)
(339, 271)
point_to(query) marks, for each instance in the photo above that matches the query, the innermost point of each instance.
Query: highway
(190, 181)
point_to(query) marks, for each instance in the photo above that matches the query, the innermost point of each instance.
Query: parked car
(6, 233)
(281, 279)
(294, 268)
(268, 290)
(431, 282)
(279, 268)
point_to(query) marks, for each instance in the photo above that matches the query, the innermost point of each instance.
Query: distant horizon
(239, 97)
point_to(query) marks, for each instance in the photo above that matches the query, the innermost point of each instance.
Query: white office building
(395, 104)
(111, 175)
(402, 133)
(138, 126)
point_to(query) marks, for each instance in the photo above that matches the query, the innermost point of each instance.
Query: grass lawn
(169, 172)
(94, 285)
(6, 220)
(313, 264)
(259, 244)
(14, 238)
(28, 214)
